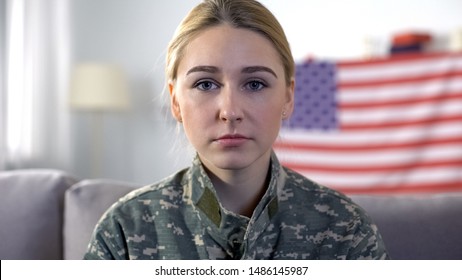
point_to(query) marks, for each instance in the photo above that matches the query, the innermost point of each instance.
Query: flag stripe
(406, 189)
(373, 157)
(396, 113)
(405, 177)
(408, 58)
(456, 119)
(400, 69)
(401, 102)
(369, 137)
(401, 92)
(397, 81)
(355, 147)
(369, 168)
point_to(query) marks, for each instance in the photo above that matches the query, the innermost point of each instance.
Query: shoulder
(162, 194)
(134, 218)
(333, 214)
(320, 202)
(306, 188)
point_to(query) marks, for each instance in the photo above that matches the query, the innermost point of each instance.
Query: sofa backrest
(49, 214)
(85, 203)
(31, 213)
(413, 226)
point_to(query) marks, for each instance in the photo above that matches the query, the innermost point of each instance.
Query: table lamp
(97, 88)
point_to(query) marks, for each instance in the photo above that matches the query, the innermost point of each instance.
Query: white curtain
(34, 83)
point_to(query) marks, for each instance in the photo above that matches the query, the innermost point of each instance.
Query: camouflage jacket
(181, 218)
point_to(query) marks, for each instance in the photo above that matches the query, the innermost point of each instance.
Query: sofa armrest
(31, 213)
(85, 203)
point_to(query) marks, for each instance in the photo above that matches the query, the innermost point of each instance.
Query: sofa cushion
(427, 226)
(31, 213)
(85, 203)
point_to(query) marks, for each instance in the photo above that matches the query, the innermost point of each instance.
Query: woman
(231, 80)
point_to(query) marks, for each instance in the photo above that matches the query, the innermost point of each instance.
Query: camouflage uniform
(181, 218)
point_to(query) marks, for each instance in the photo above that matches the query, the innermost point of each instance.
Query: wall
(138, 145)
(338, 28)
(2, 80)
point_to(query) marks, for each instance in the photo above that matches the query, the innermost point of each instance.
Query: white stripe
(415, 176)
(371, 158)
(382, 136)
(405, 91)
(402, 113)
(399, 69)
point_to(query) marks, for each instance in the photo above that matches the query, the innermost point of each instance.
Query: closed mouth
(231, 140)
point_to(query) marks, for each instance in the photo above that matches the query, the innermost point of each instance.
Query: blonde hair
(248, 14)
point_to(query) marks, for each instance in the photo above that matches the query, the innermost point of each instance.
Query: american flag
(389, 125)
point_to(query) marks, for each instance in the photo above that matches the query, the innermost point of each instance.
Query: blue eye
(255, 85)
(205, 85)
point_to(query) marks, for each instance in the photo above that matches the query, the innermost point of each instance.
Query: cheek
(268, 117)
(193, 110)
(274, 109)
(196, 118)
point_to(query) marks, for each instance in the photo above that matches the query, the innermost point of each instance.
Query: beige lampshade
(99, 87)
(455, 40)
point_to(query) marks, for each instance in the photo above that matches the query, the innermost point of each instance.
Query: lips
(232, 140)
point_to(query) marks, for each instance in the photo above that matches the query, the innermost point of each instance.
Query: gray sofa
(48, 214)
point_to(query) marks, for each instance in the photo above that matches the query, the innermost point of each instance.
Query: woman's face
(231, 95)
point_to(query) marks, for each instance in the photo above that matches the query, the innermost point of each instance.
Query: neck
(240, 190)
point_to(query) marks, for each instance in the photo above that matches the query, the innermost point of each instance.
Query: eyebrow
(245, 70)
(253, 69)
(203, 68)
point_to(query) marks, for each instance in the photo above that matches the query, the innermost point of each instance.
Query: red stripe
(307, 167)
(395, 124)
(453, 186)
(402, 80)
(397, 58)
(295, 145)
(402, 102)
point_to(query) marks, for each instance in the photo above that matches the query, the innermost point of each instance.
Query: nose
(230, 107)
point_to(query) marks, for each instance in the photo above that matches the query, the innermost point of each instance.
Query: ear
(289, 101)
(174, 106)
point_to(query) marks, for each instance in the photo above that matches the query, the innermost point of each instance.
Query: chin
(234, 162)
(233, 159)
(231, 164)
